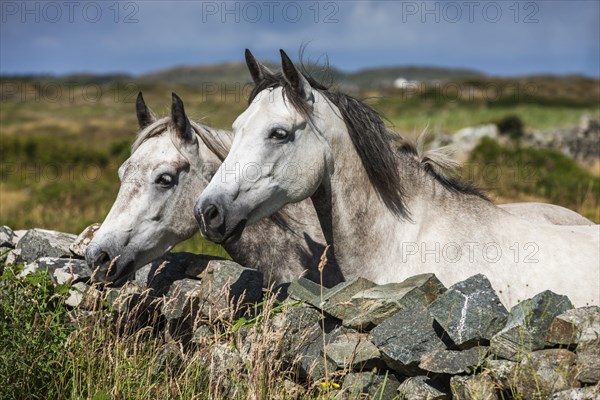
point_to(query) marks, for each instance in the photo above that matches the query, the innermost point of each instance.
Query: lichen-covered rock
(502, 372)
(225, 286)
(298, 324)
(358, 384)
(79, 246)
(65, 270)
(544, 372)
(338, 299)
(307, 291)
(7, 237)
(13, 257)
(574, 326)
(352, 350)
(43, 243)
(452, 361)
(76, 294)
(405, 337)
(588, 361)
(160, 274)
(183, 295)
(470, 312)
(312, 362)
(372, 306)
(421, 388)
(223, 363)
(527, 324)
(586, 393)
(474, 387)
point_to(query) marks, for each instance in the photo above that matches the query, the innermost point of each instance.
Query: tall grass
(103, 350)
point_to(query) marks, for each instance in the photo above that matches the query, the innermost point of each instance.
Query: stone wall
(414, 339)
(580, 142)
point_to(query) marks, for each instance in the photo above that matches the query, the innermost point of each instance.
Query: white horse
(172, 161)
(388, 217)
(281, 248)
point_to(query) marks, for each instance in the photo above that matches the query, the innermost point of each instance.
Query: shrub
(540, 172)
(511, 126)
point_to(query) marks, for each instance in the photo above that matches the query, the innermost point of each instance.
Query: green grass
(510, 171)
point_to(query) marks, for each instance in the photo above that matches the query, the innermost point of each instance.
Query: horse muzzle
(215, 225)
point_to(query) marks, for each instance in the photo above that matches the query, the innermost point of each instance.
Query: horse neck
(357, 221)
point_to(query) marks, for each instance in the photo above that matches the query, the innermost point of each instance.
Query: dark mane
(376, 145)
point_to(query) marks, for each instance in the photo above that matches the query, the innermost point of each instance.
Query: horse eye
(279, 134)
(165, 180)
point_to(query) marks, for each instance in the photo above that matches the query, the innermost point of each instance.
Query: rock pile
(580, 142)
(410, 340)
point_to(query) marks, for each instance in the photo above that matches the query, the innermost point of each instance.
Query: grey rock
(405, 337)
(502, 372)
(19, 233)
(160, 274)
(527, 325)
(453, 362)
(183, 293)
(474, 387)
(337, 301)
(126, 298)
(372, 306)
(352, 350)
(7, 237)
(574, 326)
(29, 269)
(13, 257)
(420, 388)
(226, 286)
(76, 294)
(80, 244)
(65, 270)
(313, 364)
(544, 372)
(169, 358)
(470, 312)
(4, 250)
(588, 361)
(223, 363)
(306, 290)
(43, 243)
(298, 322)
(292, 390)
(586, 393)
(3, 255)
(358, 384)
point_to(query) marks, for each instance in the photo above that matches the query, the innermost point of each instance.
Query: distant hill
(368, 78)
(385, 76)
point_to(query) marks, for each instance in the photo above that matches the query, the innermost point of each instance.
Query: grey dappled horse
(387, 216)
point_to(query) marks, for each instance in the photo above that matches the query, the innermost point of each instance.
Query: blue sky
(496, 37)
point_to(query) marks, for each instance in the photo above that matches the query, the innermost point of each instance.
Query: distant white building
(403, 83)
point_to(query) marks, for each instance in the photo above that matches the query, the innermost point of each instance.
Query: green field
(62, 142)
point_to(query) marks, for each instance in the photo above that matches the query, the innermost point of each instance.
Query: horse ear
(180, 120)
(296, 80)
(257, 70)
(145, 116)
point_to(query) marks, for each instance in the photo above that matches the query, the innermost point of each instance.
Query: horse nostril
(210, 218)
(103, 259)
(211, 213)
(95, 256)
